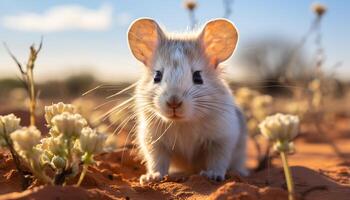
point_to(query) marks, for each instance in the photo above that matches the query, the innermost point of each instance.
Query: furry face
(180, 81)
(181, 78)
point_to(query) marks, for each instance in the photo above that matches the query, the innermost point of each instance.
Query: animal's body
(187, 118)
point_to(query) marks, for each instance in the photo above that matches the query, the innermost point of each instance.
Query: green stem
(69, 153)
(288, 176)
(39, 172)
(82, 175)
(15, 157)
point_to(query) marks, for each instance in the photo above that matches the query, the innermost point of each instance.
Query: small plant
(28, 77)
(319, 9)
(256, 107)
(71, 143)
(90, 143)
(9, 124)
(317, 83)
(191, 5)
(298, 107)
(281, 129)
(316, 91)
(25, 141)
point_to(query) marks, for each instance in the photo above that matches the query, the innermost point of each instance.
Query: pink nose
(174, 102)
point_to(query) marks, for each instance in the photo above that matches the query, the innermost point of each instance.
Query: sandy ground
(319, 173)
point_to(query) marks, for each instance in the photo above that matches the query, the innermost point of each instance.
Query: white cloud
(61, 18)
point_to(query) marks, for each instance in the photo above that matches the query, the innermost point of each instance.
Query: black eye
(197, 78)
(158, 77)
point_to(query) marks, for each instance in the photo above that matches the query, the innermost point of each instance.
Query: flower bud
(8, 124)
(69, 125)
(190, 4)
(54, 145)
(280, 127)
(58, 162)
(319, 9)
(56, 109)
(26, 139)
(315, 85)
(244, 96)
(92, 142)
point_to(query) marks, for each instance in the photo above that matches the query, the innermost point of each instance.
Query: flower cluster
(68, 124)
(8, 124)
(255, 106)
(71, 141)
(298, 107)
(281, 130)
(56, 109)
(25, 139)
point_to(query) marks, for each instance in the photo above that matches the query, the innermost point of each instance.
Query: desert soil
(319, 173)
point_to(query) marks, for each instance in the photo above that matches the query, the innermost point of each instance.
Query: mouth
(174, 116)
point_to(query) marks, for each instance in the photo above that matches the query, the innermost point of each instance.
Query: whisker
(105, 103)
(174, 142)
(122, 91)
(115, 108)
(162, 134)
(126, 141)
(91, 90)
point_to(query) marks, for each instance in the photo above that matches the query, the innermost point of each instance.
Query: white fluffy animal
(187, 118)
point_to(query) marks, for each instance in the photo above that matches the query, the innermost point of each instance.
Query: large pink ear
(143, 36)
(219, 39)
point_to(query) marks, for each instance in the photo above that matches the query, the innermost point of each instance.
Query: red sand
(317, 170)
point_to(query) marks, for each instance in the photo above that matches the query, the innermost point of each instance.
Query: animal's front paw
(150, 177)
(213, 175)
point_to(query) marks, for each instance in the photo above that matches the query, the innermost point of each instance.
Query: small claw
(215, 176)
(150, 177)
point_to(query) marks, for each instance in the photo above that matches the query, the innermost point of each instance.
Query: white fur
(208, 137)
(217, 130)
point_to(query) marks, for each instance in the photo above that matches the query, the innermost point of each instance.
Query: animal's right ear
(144, 36)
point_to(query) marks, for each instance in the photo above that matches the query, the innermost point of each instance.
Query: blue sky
(101, 46)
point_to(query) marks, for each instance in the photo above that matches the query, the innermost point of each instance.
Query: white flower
(261, 106)
(26, 139)
(244, 96)
(70, 125)
(8, 124)
(54, 145)
(315, 85)
(262, 101)
(92, 142)
(280, 127)
(56, 109)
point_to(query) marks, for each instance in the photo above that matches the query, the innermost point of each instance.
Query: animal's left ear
(219, 39)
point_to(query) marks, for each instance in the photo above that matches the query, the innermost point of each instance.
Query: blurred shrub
(8, 84)
(77, 84)
(276, 61)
